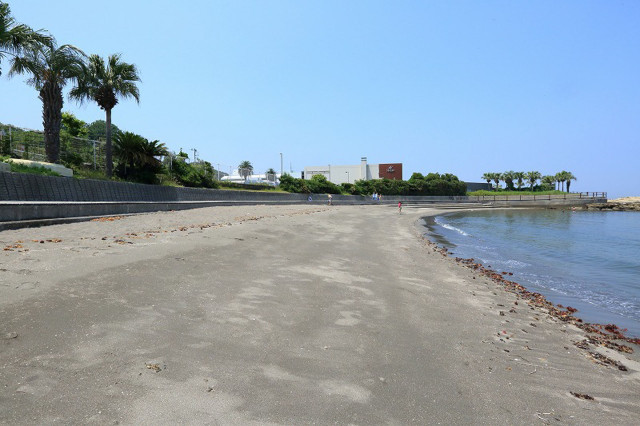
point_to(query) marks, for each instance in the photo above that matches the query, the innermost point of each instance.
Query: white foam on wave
(451, 228)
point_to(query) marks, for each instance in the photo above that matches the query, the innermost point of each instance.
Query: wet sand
(282, 315)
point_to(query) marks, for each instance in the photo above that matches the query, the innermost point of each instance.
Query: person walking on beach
(330, 199)
(399, 206)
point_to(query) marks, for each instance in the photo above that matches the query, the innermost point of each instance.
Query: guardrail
(566, 196)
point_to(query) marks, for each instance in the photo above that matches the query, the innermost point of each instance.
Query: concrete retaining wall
(26, 197)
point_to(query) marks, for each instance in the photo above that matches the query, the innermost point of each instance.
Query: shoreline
(608, 335)
(228, 312)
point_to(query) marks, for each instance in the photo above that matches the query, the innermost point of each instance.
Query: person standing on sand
(399, 206)
(330, 199)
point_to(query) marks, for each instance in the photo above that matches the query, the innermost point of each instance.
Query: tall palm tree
(519, 176)
(560, 178)
(488, 177)
(532, 178)
(104, 83)
(549, 180)
(568, 176)
(17, 38)
(508, 178)
(50, 68)
(496, 178)
(245, 169)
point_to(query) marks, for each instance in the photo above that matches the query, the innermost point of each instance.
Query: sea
(589, 260)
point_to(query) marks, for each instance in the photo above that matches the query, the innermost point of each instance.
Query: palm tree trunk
(108, 148)
(52, 102)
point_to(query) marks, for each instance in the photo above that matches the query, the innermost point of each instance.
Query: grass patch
(82, 173)
(21, 168)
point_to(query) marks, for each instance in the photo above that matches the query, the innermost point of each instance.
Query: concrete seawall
(26, 197)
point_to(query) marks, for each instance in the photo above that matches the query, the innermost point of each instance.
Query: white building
(352, 173)
(264, 178)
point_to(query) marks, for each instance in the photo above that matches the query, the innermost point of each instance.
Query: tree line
(516, 180)
(418, 184)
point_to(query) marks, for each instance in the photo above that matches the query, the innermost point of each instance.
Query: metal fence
(565, 196)
(29, 144)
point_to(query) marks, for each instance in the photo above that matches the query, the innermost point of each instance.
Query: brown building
(390, 171)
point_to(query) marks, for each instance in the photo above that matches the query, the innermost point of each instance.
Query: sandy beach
(282, 315)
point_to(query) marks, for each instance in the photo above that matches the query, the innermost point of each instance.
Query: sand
(281, 315)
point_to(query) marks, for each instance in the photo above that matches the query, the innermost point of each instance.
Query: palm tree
(570, 177)
(50, 68)
(549, 180)
(488, 177)
(271, 174)
(532, 178)
(128, 149)
(136, 154)
(508, 178)
(560, 178)
(104, 83)
(245, 169)
(519, 176)
(17, 38)
(496, 178)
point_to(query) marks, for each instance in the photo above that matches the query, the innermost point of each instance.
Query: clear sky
(463, 87)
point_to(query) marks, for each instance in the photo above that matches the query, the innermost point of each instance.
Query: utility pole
(218, 169)
(281, 167)
(194, 154)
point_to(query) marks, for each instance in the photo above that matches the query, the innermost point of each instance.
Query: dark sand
(280, 315)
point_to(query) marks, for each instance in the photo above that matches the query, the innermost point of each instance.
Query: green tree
(74, 126)
(97, 130)
(487, 176)
(569, 177)
(549, 181)
(128, 150)
(271, 174)
(104, 83)
(50, 68)
(245, 169)
(508, 178)
(496, 177)
(137, 157)
(17, 38)
(532, 178)
(519, 176)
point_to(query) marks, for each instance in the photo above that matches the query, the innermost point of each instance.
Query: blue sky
(463, 87)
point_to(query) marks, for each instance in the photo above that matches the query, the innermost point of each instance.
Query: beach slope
(280, 315)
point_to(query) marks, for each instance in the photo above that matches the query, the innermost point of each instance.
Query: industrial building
(352, 173)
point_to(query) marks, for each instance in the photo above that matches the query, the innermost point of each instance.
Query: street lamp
(347, 177)
(281, 166)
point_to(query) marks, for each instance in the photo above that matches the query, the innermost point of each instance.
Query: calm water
(587, 260)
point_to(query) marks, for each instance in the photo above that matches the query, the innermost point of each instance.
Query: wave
(451, 228)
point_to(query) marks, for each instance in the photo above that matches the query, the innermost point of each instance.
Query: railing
(565, 196)
(29, 145)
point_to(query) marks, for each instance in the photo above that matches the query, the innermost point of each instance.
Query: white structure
(58, 168)
(264, 178)
(352, 173)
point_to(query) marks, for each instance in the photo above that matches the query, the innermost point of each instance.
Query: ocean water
(583, 259)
